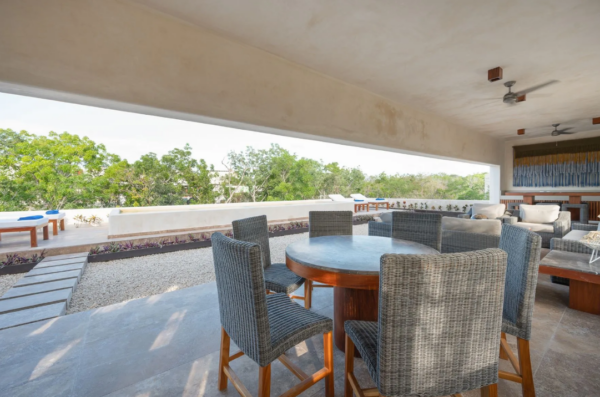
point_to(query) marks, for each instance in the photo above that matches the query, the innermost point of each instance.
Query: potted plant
(80, 220)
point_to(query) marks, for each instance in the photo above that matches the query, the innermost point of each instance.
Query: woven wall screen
(558, 164)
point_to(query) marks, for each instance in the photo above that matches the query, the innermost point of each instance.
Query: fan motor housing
(495, 74)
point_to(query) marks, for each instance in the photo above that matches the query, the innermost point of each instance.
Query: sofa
(545, 220)
(458, 235)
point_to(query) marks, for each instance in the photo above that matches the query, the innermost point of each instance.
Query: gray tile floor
(167, 345)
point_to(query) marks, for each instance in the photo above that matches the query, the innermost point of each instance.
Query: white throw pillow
(484, 226)
(492, 211)
(538, 213)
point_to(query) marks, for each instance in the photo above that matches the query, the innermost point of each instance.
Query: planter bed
(16, 269)
(134, 253)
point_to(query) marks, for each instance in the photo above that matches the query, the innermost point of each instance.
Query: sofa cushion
(575, 235)
(539, 213)
(537, 227)
(386, 217)
(492, 211)
(483, 226)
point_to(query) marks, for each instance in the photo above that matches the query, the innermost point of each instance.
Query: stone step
(67, 256)
(70, 283)
(13, 319)
(61, 262)
(55, 269)
(30, 301)
(46, 278)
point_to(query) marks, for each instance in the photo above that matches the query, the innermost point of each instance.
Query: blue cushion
(52, 212)
(358, 201)
(30, 218)
(379, 198)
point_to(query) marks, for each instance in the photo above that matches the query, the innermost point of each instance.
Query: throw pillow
(539, 213)
(479, 216)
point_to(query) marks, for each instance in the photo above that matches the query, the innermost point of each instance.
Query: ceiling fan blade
(565, 133)
(536, 87)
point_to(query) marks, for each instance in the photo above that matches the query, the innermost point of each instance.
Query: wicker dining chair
(523, 248)
(263, 326)
(438, 329)
(278, 278)
(419, 227)
(326, 223)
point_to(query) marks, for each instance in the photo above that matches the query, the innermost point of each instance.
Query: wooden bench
(57, 220)
(14, 226)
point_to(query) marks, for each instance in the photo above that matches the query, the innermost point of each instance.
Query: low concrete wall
(125, 222)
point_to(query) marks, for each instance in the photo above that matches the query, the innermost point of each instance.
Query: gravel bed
(8, 280)
(107, 283)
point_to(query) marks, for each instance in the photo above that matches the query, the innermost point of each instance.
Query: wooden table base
(584, 296)
(352, 304)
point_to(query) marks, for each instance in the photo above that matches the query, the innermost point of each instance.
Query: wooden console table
(574, 197)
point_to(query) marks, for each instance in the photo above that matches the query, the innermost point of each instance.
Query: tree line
(68, 171)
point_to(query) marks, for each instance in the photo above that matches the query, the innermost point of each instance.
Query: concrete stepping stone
(13, 319)
(55, 269)
(61, 262)
(30, 301)
(70, 283)
(66, 256)
(46, 278)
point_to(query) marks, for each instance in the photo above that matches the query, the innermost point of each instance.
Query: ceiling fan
(558, 132)
(512, 98)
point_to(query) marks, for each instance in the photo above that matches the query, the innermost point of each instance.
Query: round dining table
(351, 265)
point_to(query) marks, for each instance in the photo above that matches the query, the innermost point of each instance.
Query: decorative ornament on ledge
(573, 163)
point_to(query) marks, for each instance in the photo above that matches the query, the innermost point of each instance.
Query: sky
(131, 135)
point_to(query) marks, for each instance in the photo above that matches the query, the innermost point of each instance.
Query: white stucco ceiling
(432, 55)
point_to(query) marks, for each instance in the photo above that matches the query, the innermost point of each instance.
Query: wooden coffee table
(584, 289)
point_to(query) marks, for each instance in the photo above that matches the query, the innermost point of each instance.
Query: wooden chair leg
(54, 227)
(308, 294)
(490, 391)
(328, 363)
(45, 232)
(503, 354)
(349, 367)
(62, 224)
(264, 381)
(223, 359)
(525, 366)
(33, 235)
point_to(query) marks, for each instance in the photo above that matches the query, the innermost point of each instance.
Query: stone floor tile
(46, 278)
(56, 269)
(13, 319)
(39, 288)
(29, 301)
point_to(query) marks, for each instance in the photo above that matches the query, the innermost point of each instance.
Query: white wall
(155, 220)
(117, 55)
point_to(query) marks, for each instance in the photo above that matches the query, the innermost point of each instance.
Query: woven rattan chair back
(254, 230)
(419, 227)
(523, 248)
(329, 223)
(439, 322)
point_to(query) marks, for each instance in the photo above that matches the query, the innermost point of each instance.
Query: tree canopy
(68, 171)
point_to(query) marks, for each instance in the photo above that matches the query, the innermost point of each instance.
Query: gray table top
(571, 261)
(350, 254)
